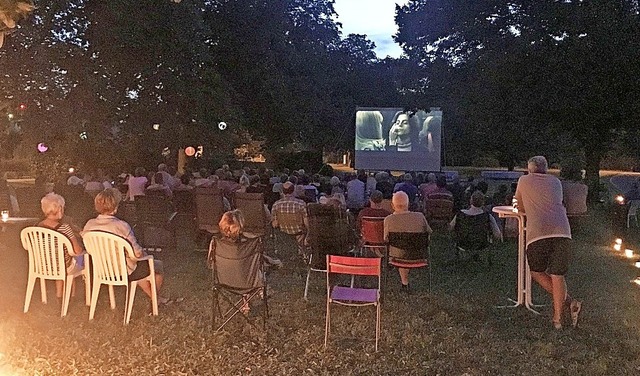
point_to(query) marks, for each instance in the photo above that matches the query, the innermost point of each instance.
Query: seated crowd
(401, 201)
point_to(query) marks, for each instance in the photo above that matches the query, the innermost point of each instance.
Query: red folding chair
(352, 296)
(372, 235)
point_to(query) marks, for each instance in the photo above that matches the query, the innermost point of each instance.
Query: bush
(15, 168)
(619, 162)
(485, 161)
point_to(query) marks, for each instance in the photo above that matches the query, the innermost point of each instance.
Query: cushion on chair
(354, 294)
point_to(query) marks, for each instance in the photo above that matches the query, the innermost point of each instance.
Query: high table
(523, 297)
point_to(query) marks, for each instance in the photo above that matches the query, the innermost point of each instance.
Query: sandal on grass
(576, 307)
(557, 325)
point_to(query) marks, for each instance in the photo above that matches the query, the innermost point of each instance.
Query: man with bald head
(403, 220)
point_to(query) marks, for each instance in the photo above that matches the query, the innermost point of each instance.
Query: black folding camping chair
(238, 274)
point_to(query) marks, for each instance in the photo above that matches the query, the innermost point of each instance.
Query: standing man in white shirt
(539, 195)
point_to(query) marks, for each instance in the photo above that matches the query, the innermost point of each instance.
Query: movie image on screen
(394, 139)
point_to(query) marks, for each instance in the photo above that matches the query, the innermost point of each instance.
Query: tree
(529, 71)
(12, 11)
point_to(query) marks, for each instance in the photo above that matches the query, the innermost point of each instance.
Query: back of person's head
(107, 201)
(482, 186)
(477, 199)
(162, 167)
(431, 177)
(441, 181)
(232, 224)
(186, 178)
(244, 181)
(293, 179)
(376, 197)
(140, 171)
(284, 178)
(334, 181)
(288, 188)
(340, 197)
(407, 177)
(51, 203)
(204, 173)
(158, 178)
(538, 164)
(400, 201)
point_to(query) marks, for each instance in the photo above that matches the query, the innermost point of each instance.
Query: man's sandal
(576, 307)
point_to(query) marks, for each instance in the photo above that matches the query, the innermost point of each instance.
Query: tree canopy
(117, 82)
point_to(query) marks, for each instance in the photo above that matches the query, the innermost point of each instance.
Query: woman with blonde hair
(231, 227)
(106, 204)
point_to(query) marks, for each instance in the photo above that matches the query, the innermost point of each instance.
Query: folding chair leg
(327, 324)
(378, 323)
(214, 305)
(265, 311)
(306, 285)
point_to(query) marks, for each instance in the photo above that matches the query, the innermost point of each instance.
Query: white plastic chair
(633, 212)
(110, 268)
(46, 249)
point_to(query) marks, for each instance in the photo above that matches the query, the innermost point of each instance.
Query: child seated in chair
(232, 229)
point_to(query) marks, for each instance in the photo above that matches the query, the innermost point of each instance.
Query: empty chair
(155, 215)
(46, 249)
(209, 208)
(329, 234)
(256, 220)
(350, 296)
(109, 253)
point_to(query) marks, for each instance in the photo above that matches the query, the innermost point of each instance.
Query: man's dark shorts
(551, 255)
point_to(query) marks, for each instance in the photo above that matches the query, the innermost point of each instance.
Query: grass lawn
(452, 330)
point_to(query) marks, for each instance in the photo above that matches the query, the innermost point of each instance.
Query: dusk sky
(375, 18)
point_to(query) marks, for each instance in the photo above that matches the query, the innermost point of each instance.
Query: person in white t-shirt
(548, 239)
(137, 184)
